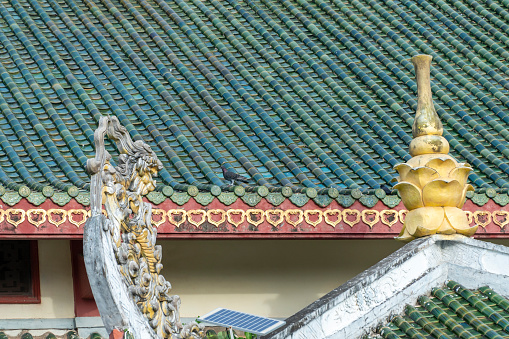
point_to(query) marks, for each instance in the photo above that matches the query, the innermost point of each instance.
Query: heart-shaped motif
(77, 223)
(162, 213)
(347, 213)
(216, 212)
(14, 211)
(278, 214)
(231, 213)
(201, 213)
(478, 215)
(51, 212)
(290, 213)
(332, 213)
(470, 216)
(36, 212)
(370, 217)
(501, 218)
(257, 214)
(389, 217)
(309, 213)
(180, 214)
(402, 215)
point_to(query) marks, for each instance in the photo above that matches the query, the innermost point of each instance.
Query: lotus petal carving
(402, 169)
(410, 194)
(433, 188)
(440, 192)
(420, 176)
(443, 165)
(460, 174)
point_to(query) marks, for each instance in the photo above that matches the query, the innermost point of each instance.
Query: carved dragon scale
(129, 232)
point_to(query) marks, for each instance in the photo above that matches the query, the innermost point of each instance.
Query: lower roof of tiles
(452, 312)
(307, 97)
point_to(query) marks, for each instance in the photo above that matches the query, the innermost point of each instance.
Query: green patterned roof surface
(452, 312)
(308, 95)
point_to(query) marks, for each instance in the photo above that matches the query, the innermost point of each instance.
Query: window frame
(34, 296)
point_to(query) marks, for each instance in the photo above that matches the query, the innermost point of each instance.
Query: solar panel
(242, 321)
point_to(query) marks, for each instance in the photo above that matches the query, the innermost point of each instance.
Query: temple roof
(452, 312)
(300, 96)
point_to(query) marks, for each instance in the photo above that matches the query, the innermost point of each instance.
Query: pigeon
(232, 177)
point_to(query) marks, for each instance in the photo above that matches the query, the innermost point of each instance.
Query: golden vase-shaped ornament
(432, 185)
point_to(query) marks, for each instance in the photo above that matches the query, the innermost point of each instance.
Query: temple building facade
(281, 127)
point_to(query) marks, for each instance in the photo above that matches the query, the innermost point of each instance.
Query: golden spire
(427, 129)
(433, 185)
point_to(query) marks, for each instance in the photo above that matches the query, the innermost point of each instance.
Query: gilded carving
(237, 217)
(470, 216)
(231, 214)
(131, 229)
(370, 217)
(389, 217)
(216, 212)
(402, 215)
(200, 213)
(9, 213)
(162, 217)
(2, 215)
(500, 218)
(278, 214)
(255, 217)
(332, 213)
(180, 216)
(77, 223)
(347, 213)
(482, 218)
(56, 211)
(309, 214)
(432, 184)
(39, 220)
(290, 213)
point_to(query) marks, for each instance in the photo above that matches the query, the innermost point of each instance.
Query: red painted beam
(217, 221)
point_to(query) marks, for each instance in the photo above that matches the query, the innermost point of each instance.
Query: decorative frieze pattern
(238, 217)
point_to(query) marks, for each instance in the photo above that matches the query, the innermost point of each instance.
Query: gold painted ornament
(432, 184)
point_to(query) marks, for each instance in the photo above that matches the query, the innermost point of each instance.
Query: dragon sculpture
(128, 232)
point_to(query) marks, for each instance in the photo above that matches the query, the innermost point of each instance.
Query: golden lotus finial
(433, 185)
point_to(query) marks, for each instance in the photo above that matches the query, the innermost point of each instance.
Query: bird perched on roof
(232, 177)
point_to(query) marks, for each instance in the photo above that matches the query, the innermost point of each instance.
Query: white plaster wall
(274, 278)
(57, 299)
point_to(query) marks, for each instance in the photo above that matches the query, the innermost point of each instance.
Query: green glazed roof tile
(291, 93)
(452, 312)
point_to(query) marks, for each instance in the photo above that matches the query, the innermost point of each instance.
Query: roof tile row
(295, 94)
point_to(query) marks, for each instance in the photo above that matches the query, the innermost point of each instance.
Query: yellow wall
(274, 278)
(57, 299)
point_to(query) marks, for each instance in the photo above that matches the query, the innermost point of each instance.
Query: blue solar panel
(242, 321)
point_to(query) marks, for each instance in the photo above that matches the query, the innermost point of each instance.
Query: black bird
(232, 176)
